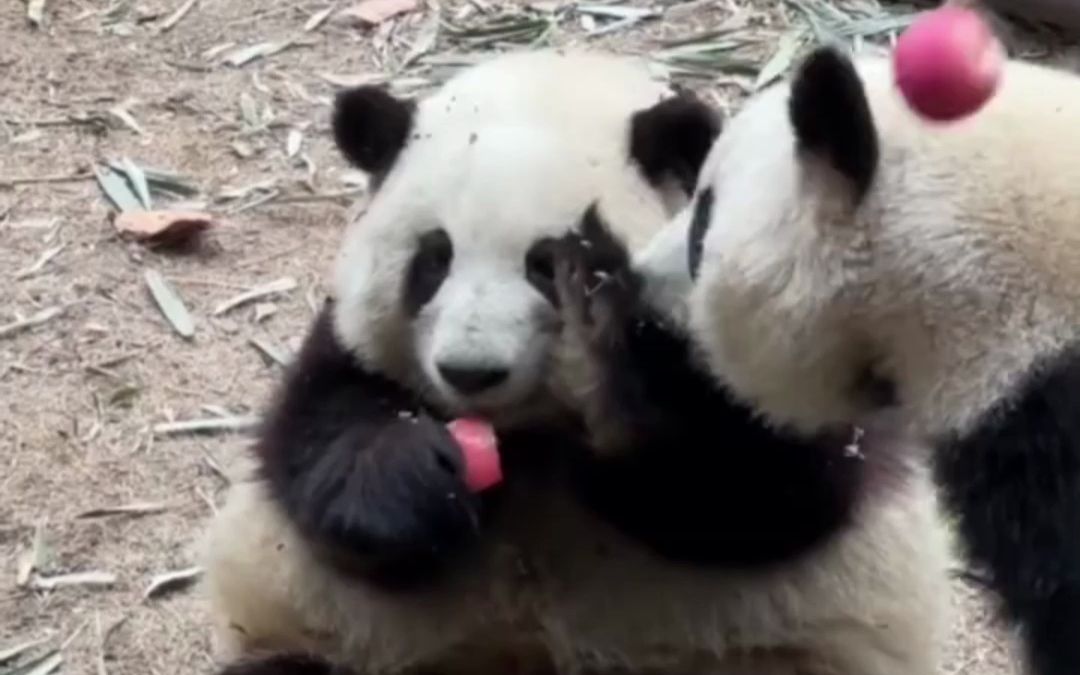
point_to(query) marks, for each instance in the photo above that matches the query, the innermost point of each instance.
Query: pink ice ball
(948, 64)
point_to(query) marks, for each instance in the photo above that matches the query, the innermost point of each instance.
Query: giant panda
(838, 241)
(442, 305)
(607, 550)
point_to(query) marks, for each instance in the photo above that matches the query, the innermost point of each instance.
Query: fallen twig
(11, 653)
(206, 425)
(92, 578)
(177, 16)
(133, 509)
(40, 263)
(171, 582)
(283, 285)
(15, 181)
(44, 316)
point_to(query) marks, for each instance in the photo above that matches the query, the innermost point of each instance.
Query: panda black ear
(371, 127)
(832, 117)
(672, 139)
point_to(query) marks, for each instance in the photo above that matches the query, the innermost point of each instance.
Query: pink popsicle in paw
(948, 64)
(480, 450)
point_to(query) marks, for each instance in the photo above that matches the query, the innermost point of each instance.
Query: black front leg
(1014, 482)
(697, 475)
(361, 467)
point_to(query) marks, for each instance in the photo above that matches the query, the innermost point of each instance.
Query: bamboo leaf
(170, 304)
(781, 60)
(117, 189)
(171, 582)
(138, 182)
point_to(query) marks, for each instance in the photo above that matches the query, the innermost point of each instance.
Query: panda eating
(442, 305)
(357, 545)
(932, 272)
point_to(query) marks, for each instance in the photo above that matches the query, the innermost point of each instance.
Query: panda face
(482, 320)
(478, 288)
(445, 283)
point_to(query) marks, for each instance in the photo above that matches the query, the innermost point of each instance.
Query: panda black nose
(471, 379)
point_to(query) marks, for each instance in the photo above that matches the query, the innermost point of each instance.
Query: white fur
(959, 270)
(554, 583)
(508, 152)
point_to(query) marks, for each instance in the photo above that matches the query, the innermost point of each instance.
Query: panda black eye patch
(428, 268)
(540, 267)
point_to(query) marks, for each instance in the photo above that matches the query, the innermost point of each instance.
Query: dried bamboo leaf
(270, 351)
(781, 60)
(42, 665)
(374, 12)
(176, 17)
(170, 304)
(293, 142)
(617, 12)
(348, 81)
(263, 311)
(12, 653)
(128, 120)
(425, 41)
(163, 181)
(246, 55)
(40, 263)
(248, 110)
(44, 316)
(34, 560)
(171, 582)
(35, 12)
(133, 509)
(318, 18)
(283, 285)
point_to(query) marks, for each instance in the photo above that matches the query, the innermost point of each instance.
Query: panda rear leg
(1014, 482)
(253, 559)
(285, 664)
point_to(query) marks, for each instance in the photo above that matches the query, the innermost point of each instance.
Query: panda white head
(848, 255)
(445, 283)
(769, 236)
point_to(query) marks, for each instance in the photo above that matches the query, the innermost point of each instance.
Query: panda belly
(552, 590)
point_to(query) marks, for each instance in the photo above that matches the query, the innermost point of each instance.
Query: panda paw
(595, 284)
(405, 499)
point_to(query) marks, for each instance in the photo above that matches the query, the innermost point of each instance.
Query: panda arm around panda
(359, 466)
(694, 474)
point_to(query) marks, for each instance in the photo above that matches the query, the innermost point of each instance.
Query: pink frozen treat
(480, 449)
(948, 64)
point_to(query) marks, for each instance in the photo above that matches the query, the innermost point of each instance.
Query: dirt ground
(96, 367)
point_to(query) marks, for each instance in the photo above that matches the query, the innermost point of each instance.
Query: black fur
(371, 127)
(702, 479)
(699, 227)
(672, 138)
(1015, 484)
(362, 467)
(428, 269)
(540, 267)
(285, 664)
(832, 117)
